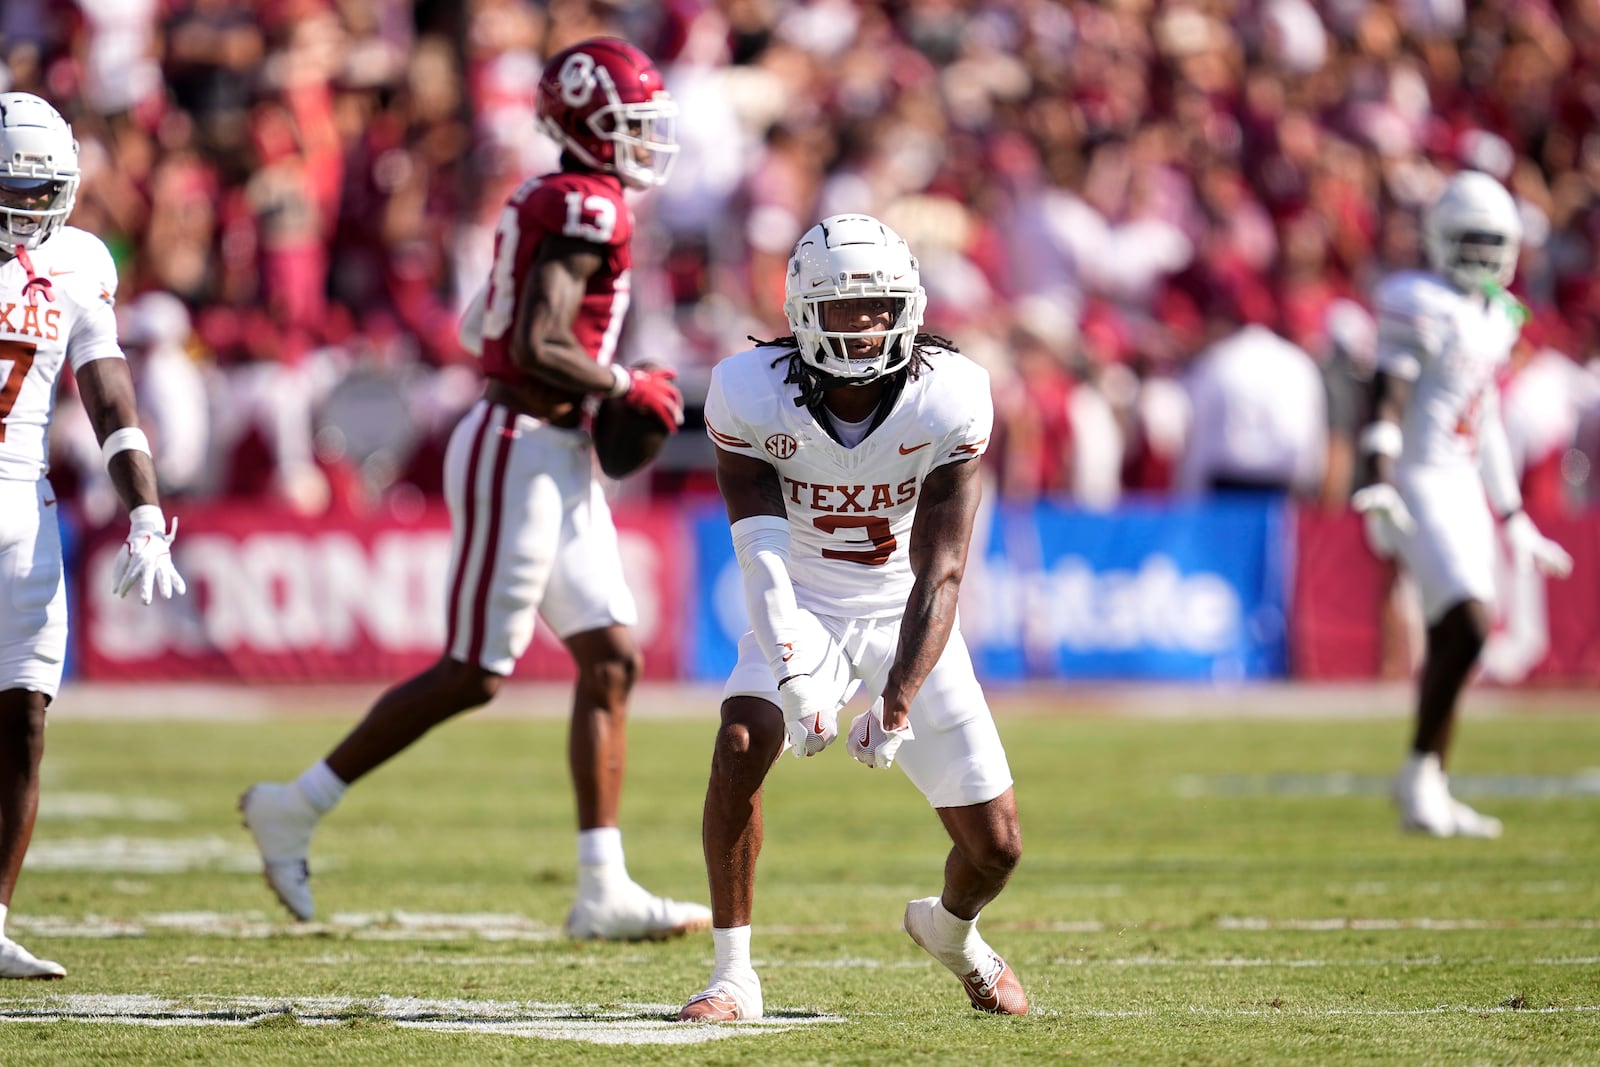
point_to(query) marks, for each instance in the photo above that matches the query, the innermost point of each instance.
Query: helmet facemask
(836, 354)
(643, 138)
(1477, 257)
(37, 189)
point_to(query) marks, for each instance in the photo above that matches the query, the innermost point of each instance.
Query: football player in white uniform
(1445, 475)
(57, 287)
(847, 456)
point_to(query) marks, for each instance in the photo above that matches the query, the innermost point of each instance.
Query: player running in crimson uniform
(1444, 463)
(57, 288)
(847, 457)
(531, 531)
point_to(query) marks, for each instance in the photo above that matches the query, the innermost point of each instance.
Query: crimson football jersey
(589, 207)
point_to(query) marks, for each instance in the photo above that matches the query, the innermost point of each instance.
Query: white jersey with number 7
(64, 312)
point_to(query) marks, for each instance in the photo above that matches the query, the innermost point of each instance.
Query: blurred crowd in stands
(1157, 222)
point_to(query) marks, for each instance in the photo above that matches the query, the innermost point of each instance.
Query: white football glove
(871, 743)
(1528, 545)
(145, 559)
(1386, 517)
(810, 715)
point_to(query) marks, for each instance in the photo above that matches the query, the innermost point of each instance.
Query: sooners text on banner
(277, 598)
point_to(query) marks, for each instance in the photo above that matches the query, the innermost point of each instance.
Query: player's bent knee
(468, 684)
(613, 675)
(752, 742)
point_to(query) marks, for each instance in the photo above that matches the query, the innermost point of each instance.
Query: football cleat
(18, 962)
(281, 820)
(629, 912)
(1470, 823)
(990, 983)
(1423, 799)
(727, 999)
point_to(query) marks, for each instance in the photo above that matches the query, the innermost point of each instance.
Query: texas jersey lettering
(65, 310)
(850, 509)
(1450, 344)
(587, 207)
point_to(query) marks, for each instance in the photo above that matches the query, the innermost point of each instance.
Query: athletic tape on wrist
(622, 381)
(127, 439)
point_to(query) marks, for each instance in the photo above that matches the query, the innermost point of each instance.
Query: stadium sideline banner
(275, 598)
(1544, 631)
(1151, 591)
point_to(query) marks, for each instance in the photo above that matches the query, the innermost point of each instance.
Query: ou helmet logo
(577, 79)
(781, 445)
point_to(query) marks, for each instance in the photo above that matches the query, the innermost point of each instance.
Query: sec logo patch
(781, 446)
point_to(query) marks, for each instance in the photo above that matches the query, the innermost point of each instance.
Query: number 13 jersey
(64, 312)
(850, 510)
(584, 207)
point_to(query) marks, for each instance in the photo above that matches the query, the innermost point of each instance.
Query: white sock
(733, 950)
(600, 861)
(3, 910)
(321, 787)
(600, 847)
(956, 941)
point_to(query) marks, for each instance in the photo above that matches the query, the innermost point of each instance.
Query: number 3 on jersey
(16, 357)
(878, 546)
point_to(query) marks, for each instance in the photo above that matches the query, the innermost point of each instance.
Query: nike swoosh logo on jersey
(58, 273)
(50, 503)
(904, 451)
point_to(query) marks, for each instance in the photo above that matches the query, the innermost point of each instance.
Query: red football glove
(651, 389)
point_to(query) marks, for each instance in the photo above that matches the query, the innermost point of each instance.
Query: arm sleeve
(761, 543)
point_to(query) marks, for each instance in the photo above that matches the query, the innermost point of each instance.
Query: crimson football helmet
(605, 102)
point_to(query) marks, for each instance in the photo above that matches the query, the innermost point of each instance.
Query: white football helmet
(38, 171)
(1473, 232)
(848, 257)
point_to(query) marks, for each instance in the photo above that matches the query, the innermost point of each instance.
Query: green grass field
(1199, 891)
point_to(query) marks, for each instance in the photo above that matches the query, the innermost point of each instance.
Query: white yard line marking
(1584, 783)
(378, 926)
(1255, 923)
(81, 806)
(437, 926)
(141, 855)
(627, 1024)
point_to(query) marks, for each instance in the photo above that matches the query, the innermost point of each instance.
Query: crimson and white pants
(530, 532)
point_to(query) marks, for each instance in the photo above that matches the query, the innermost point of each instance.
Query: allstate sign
(1150, 591)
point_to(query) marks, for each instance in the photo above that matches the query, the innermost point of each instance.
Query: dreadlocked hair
(813, 383)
